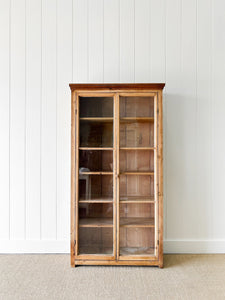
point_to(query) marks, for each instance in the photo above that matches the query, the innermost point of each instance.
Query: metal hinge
(158, 242)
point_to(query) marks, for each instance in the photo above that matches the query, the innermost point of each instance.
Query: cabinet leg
(72, 261)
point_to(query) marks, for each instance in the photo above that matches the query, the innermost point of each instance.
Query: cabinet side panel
(72, 178)
(160, 177)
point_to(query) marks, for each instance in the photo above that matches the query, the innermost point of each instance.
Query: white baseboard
(194, 246)
(32, 246)
(54, 246)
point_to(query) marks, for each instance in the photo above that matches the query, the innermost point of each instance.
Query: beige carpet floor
(51, 277)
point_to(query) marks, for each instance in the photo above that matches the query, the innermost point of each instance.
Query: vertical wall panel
(80, 41)
(49, 114)
(204, 122)
(47, 44)
(111, 41)
(33, 118)
(218, 117)
(173, 131)
(188, 120)
(127, 23)
(142, 41)
(182, 192)
(4, 116)
(95, 40)
(17, 121)
(64, 76)
(157, 41)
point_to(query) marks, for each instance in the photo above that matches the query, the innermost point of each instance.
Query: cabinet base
(119, 263)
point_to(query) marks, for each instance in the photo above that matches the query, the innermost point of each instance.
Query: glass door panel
(96, 178)
(136, 161)
(137, 241)
(136, 106)
(137, 177)
(136, 134)
(95, 240)
(136, 186)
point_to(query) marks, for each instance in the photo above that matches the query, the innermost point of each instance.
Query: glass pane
(95, 187)
(95, 214)
(136, 187)
(137, 241)
(96, 133)
(136, 161)
(95, 240)
(137, 211)
(94, 160)
(136, 106)
(96, 107)
(136, 134)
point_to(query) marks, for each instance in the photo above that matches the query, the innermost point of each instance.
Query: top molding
(116, 86)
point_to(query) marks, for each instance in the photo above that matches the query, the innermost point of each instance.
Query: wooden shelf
(127, 251)
(97, 200)
(137, 119)
(96, 148)
(136, 173)
(135, 199)
(96, 250)
(137, 222)
(137, 148)
(101, 119)
(95, 222)
(96, 173)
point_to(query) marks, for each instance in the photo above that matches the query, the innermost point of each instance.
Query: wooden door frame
(105, 259)
(98, 257)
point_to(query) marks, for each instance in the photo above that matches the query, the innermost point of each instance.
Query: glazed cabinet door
(137, 201)
(95, 176)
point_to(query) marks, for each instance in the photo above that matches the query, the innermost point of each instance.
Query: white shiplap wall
(45, 45)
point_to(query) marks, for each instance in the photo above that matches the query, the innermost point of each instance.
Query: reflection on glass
(95, 240)
(96, 134)
(95, 187)
(95, 160)
(96, 107)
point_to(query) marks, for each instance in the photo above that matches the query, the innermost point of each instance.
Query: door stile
(117, 147)
(156, 171)
(114, 176)
(73, 190)
(77, 172)
(160, 177)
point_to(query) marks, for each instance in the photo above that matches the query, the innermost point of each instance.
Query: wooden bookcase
(116, 174)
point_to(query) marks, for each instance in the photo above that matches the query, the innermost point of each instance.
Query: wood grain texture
(136, 223)
(116, 86)
(73, 182)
